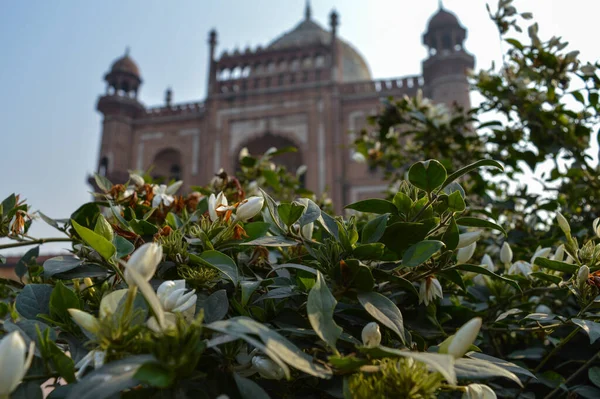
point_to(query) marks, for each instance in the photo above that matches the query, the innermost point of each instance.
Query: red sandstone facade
(308, 88)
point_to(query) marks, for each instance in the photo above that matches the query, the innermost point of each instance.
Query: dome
(308, 32)
(443, 19)
(127, 65)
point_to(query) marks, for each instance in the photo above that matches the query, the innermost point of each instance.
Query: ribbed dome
(309, 32)
(443, 19)
(125, 64)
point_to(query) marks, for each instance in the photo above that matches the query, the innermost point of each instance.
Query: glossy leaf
(421, 252)
(384, 311)
(320, 308)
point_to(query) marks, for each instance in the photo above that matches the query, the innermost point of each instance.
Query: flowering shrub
(213, 296)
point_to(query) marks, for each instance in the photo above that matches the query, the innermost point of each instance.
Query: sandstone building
(308, 88)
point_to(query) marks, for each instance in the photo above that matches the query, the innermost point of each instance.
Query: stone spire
(307, 11)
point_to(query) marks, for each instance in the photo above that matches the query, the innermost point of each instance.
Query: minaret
(212, 73)
(120, 106)
(445, 70)
(333, 24)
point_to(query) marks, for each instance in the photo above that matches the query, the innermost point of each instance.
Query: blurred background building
(308, 88)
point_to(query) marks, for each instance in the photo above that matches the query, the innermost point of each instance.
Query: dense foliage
(462, 283)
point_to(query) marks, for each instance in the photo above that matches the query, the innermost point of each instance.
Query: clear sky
(55, 53)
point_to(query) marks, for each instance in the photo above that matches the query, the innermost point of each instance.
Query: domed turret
(124, 77)
(446, 68)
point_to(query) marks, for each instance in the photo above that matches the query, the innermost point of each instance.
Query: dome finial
(307, 10)
(440, 4)
(127, 51)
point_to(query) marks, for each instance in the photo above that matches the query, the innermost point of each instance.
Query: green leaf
(320, 308)
(290, 212)
(384, 311)
(219, 261)
(451, 236)
(591, 328)
(8, 204)
(399, 236)
(442, 363)
(142, 227)
(215, 307)
(248, 288)
(556, 265)
(173, 221)
(594, 376)
(63, 364)
(513, 368)
(104, 247)
(154, 374)
(256, 230)
(403, 203)
(48, 220)
(273, 344)
(375, 205)
(469, 168)
(249, 389)
(111, 379)
(86, 214)
(547, 277)
(123, 246)
(103, 183)
(61, 300)
(103, 228)
(402, 282)
(454, 276)
(27, 259)
(272, 208)
(371, 251)
(474, 222)
(479, 369)
(483, 270)
(456, 202)
(374, 229)
(419, 253)
(271, 178)
(427, 175)
(60, 264)
(34, 299)
(312, 213)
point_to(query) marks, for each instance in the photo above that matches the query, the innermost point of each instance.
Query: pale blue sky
(55, 53)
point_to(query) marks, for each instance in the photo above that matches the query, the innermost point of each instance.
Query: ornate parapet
(184, 110)
(383, 87)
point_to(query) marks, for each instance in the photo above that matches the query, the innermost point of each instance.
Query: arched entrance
(167, 165)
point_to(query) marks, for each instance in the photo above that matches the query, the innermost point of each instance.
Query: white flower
(161, 196)
(464, 254)
(563, 224)
(540, 253)
(144, 260)
(569, 260)
(85, 320)
(429, 290)
(358, 157)
(307, 231)
(466, 239)
(488, 263)
(479, 391)
(464, 338)
(582, 275)
(174, 298)
(588, 69)
(267, 368)
(249, 208)
(244, 153)
(371, 336)
(520, 267)
(214, 203)
(506, 253)
(271, 151)
(169, 322)
(13, 364)
(560, 253)
(596, 226)
(136, 179)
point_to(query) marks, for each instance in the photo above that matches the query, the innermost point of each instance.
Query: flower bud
(466, 239)
(85, 320)
(479, 391)
(267, 368)
(214, 203)
(429, 290)
(358, 157)
(136, 179)
(104, 228)
(540, 253)
(563, 224)
(520, 267)
(488, 263)
(244, 153)
(144, 260)
(464, 338)
(307, 230)
(506, 253)
(371, 336)
(464, 254)
(13, 364)
(596, 226)
(560, 253)
(249, 208)
(582, 275)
